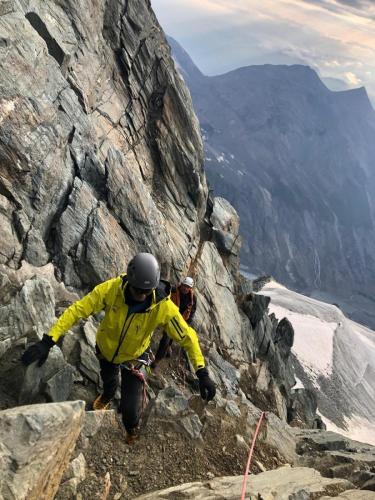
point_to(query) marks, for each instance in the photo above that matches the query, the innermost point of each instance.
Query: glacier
(335, 357)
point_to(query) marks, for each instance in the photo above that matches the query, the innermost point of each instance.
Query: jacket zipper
(123, 334)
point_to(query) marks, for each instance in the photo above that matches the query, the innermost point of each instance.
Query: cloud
(352, 79)
(361, 8)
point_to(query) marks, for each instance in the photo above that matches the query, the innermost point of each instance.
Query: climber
(135, 304)
(184, 298)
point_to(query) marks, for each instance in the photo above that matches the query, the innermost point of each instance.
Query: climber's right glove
(206, 384)
(38, 352)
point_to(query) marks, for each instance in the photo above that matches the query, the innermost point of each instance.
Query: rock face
(100, 152)
(36, 443)
(100, 157)
(281, 147)
(297, 483)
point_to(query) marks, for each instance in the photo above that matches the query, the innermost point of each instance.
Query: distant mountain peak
(296, 161)
(183, 61)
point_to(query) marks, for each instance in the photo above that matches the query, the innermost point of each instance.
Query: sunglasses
(142, 291)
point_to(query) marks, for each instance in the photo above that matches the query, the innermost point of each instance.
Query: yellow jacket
(123, 335)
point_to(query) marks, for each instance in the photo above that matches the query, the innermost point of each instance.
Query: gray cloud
(362, 8)
(358, 4)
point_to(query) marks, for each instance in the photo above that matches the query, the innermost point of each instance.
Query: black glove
(38, 352)
(206, 385)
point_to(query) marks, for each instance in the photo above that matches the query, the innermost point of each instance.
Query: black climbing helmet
(143, 271)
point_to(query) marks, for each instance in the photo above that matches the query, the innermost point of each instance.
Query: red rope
(142, 378)
(246, 475)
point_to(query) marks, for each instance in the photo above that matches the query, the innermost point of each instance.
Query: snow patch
(313, 340)
(298, 384)
(273, 285)
(328, 344)
(359, 429)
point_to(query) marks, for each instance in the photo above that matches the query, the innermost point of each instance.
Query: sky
(335, 37)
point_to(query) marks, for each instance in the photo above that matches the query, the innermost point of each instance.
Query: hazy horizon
(334, 37)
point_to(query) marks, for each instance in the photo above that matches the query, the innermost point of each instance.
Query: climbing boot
(132, 436)
(100, 403)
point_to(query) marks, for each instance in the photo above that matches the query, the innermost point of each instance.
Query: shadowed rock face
(296, 161)
(100, 151)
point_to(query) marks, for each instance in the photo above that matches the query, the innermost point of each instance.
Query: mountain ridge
(284, 148)
(186, 64)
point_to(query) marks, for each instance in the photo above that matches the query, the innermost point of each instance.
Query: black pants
(132, 391)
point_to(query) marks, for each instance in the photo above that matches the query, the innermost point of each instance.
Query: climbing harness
(138, 373)
(262, 417)
(140, 368)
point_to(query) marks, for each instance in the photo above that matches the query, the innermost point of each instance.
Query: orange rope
(246, 475)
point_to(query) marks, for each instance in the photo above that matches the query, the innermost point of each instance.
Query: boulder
(29, 313)
(35, 446)
(274, 432)
(284, 337)
(298, 483)
(369, 484)
(74, 474)
(89, 329)
(89, 363)
(224, 216)
(255, 308)
(225, 372)
(303, 405)
(172, 407)
(352, 495)
(232, 409)
(53, 380)
(335, 455)
(93, 422)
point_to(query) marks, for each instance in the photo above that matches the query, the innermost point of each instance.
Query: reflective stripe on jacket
(123, 336)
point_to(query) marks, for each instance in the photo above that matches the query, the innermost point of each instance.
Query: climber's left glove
(206, 384)
(38, 352)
